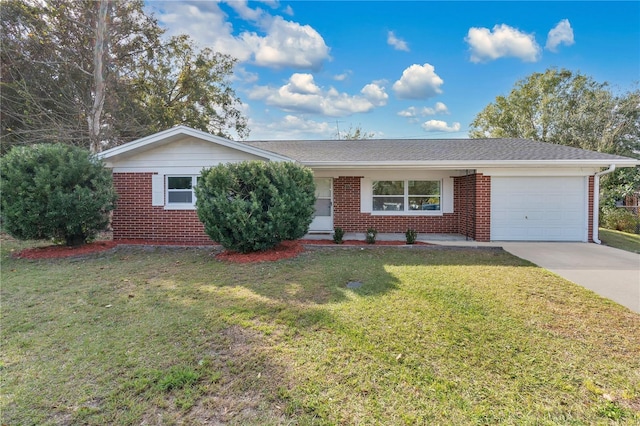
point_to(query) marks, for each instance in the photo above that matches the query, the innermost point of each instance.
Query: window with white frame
(406, 195)
(180, 190)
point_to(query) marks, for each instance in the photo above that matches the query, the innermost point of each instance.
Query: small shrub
(55, 191)
(370, 237)
(411, 235)
(254, 205)
(620, 219)
(338, 235)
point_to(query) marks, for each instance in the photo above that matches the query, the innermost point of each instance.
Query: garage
(539, 208)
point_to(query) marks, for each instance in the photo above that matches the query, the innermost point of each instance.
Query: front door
(323, 216)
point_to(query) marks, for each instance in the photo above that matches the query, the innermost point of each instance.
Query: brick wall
(472, 204)
(483, 208)
(347, 215)
(135, 217)
(464, 197)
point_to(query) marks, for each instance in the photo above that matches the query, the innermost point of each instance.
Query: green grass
(620, 240)
(173, 336)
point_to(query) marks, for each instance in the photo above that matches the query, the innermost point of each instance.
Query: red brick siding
(464, 205)
(483, 208)
(135, 217)
(472, 204)
(347, 215)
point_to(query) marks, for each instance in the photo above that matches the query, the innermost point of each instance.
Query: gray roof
(428, 150)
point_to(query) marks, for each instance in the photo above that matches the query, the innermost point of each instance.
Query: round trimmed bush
(253, 206)
(54, 191)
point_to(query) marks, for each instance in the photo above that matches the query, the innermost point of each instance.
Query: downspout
(596, 201)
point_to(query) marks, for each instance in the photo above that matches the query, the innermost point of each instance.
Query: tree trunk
(95, 114)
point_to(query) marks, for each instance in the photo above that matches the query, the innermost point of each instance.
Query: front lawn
(620, 240)
(432, 336)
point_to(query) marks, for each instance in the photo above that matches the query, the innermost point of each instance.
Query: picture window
(406, 195)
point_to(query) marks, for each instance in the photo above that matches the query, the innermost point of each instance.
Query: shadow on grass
(131, 317)
(322, 275)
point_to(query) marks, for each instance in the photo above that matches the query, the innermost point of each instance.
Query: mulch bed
(59, 251)
(285, 250)
(360, 243)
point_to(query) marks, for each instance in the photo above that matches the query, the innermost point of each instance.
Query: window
(180, 190)
(406, 195)
(424, 195)
(388, 195)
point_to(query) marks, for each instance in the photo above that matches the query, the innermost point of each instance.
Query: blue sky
(401, 69)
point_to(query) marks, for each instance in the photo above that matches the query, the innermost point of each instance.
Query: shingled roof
(431, 151)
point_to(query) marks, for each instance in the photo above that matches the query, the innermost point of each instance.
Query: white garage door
(539, 209)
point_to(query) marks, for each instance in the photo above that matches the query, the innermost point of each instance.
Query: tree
(74, 72)
(180, 85)
(58, 192)
(561, 107)
(567, 108)
(253, 206)
(58, 79)
(354, 134)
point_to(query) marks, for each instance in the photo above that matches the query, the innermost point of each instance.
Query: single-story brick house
(486, 189)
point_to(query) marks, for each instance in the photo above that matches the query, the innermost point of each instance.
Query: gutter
(596, 201)
(466, 164)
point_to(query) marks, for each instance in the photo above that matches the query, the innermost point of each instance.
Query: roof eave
(157, 138)
(467, 164)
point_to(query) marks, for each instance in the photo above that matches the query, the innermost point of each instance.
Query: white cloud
(502, 41)
(206, 23)
(245, 12)
(343, 76)
(302, 95)
(441, 108)
(275, 42)
(413, 112)
(271, 3)
(375, 94)
(287, 44)
(396, 42)
(291, 127)
(560, 34)
(418, 82)
(241, 74)
(303, 84)
(410, 112)
(440, 126)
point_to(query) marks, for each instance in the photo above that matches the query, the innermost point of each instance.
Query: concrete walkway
(609, 272)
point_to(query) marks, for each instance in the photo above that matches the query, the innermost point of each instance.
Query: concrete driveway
(609, 272)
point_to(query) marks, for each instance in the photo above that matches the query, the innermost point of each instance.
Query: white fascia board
(468, 164)
(166, 135)
(538, 171)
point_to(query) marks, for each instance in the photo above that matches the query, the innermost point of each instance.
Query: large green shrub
(253, 206)
(620, 219)
(55, 192)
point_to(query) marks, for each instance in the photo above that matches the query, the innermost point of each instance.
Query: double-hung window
(180, 190)
(406, 195)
